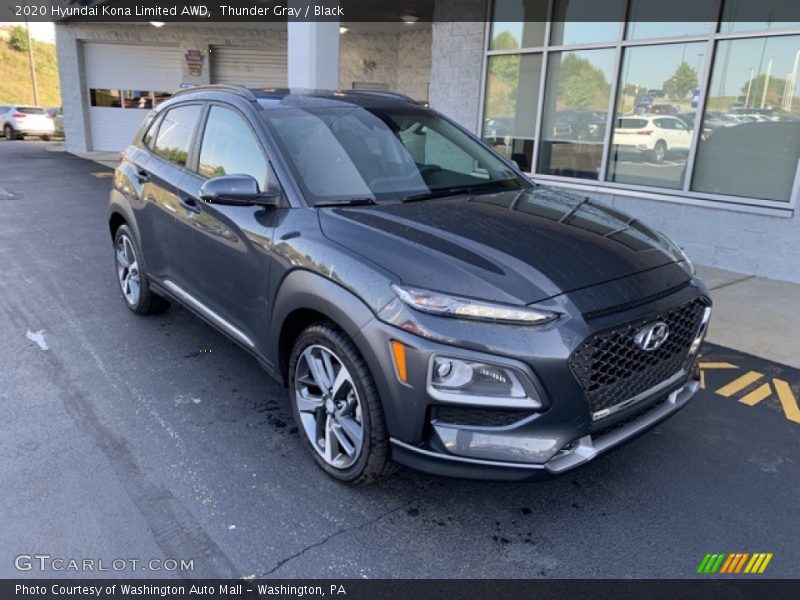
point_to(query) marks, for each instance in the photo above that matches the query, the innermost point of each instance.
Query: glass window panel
(175, 133)
(651, 18)
(104, 98)
(752, 15)
(161, 97)
(657, 102)
(230, 148)
(577, 96)
(518, 24)
(754, 90)
(137, 98)
(571, 22)
(512, 98)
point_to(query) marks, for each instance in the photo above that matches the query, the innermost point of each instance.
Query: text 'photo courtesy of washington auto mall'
(408, 299)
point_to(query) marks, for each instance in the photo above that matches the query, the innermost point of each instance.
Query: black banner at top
(773, 13)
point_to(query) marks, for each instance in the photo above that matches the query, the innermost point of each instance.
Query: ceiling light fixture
(157, 23)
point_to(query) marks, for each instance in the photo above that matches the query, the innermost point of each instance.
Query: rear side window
(230, 148)
(632, 123)
(175, 133)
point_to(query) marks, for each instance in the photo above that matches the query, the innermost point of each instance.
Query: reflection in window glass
(175, 133)
(518, 24)
(137, 98)
(512, 98)
(571, 25)
(229, 148)
(651, 18)
(160, 97)
(752, 15)
(754, 87)
(105, 98)
(657, 103)
(577, 95)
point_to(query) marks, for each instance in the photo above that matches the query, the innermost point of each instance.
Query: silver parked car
(18, 121)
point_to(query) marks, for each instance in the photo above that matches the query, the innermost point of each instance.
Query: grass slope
(15, 75)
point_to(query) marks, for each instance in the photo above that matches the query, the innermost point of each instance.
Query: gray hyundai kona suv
(422, 300)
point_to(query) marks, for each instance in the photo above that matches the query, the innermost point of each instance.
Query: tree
(505, 40)
(19, 39)
(581, 84)
(682, 82)
(775, 90)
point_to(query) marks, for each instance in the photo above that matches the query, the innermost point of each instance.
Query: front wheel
(132, 276)
(336, 406)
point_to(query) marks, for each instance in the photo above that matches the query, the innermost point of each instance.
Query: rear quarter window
(632, 123)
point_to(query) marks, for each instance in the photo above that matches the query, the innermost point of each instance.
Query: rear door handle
(142, 175)
(190, 204)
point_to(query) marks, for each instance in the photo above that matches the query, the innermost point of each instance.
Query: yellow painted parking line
(757, 395)
(738, 384)
(788, 401)
(716, 365)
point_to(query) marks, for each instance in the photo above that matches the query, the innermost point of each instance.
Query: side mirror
(236, 190)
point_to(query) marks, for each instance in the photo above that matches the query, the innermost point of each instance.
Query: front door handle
(142, 176)
(190, 204)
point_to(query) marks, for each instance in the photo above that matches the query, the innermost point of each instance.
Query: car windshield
(346, 154)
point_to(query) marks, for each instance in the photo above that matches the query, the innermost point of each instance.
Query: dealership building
(692, 126)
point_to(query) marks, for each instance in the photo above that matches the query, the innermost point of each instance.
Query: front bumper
(531, 443)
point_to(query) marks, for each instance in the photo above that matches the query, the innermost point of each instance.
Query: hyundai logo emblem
(651, 337)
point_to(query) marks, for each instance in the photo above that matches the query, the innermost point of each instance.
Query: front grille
(611, 368)
(484, 417)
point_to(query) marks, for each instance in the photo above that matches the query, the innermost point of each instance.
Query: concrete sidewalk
(755, 315)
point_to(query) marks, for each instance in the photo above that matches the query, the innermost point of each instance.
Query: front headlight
(467, 381)
(465, 308)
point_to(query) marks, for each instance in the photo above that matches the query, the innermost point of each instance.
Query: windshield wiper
(350, 202)
(453, 191)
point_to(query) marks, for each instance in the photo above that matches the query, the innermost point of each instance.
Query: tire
(46, 138)
(324, 419)
(133, 284)
(8, 131)
(659, 151)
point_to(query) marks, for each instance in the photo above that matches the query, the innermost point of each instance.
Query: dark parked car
(579, 125)
(423, 301)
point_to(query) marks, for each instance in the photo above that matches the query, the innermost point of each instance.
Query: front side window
(577, 95)
(656, 80)
(229, 147)
(105, 98)
(383, 155)
(175, 133)
(754, 148)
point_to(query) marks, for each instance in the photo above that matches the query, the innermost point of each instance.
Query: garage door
(253, 67)
(124, 82)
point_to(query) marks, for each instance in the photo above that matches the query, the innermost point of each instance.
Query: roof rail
(219, 87)
(397, 95)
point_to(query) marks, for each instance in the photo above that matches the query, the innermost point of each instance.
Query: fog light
(443, 368)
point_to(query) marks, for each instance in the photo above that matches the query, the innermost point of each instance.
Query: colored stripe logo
(733, 563)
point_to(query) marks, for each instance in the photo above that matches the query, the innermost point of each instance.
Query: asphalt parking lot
(131, 437)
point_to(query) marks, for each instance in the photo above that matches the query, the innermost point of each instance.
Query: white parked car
(653, 135)
(17, 121)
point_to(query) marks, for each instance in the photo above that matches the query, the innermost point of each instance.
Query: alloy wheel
(128, 270)
(329, 406)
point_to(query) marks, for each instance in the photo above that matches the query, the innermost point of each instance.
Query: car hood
(515, 246)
